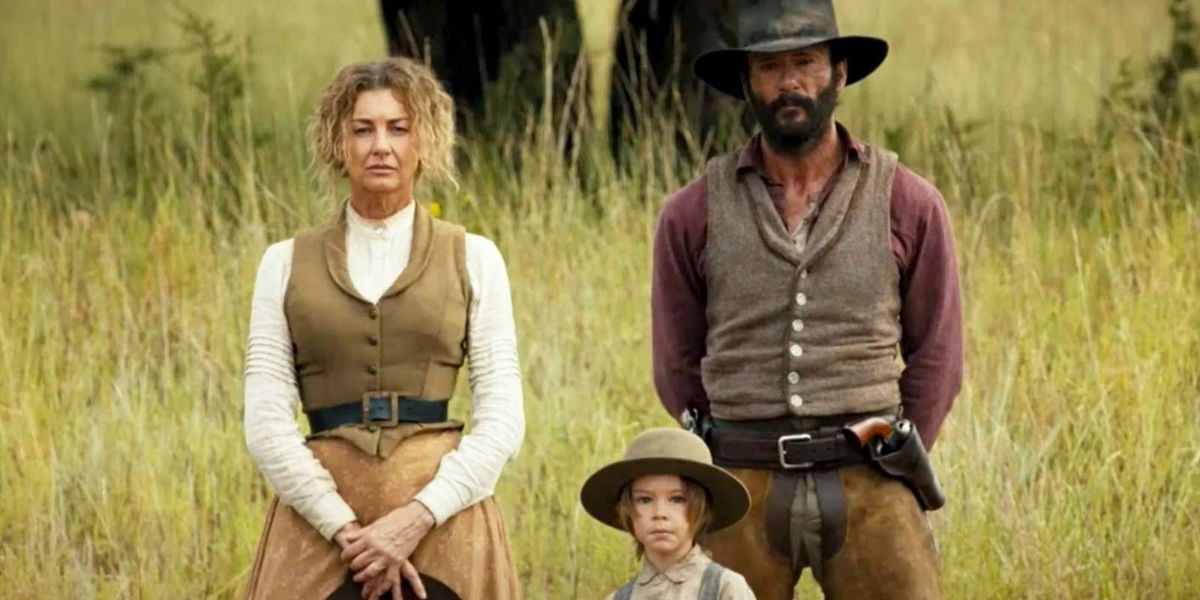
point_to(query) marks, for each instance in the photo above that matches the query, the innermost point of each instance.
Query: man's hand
(387, 542)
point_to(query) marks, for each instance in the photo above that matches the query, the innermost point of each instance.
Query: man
(786, 279)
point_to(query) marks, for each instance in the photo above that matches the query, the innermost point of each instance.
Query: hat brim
(722, 69)
(434, 589)
(602, 491)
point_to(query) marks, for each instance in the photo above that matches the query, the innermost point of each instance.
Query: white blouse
(376, 252)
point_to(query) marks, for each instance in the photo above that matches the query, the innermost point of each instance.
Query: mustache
(793, 99)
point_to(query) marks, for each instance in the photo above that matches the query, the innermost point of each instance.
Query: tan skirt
(469, 552)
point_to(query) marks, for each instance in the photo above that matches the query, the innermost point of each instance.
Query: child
(666, 493)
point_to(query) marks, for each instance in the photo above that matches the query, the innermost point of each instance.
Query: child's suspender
(626, 591)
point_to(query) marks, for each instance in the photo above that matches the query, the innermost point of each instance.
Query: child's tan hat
(666, 451)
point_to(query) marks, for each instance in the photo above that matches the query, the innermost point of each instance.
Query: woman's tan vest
(801, 332)
(412, 341)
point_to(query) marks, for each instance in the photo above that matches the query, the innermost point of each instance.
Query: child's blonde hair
(698, 517)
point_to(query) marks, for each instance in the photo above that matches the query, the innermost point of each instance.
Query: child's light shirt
(682, 580)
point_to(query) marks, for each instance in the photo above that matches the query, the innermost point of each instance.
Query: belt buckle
(394, 416)
(798, 437)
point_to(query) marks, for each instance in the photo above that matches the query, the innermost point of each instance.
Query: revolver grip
(864, 432)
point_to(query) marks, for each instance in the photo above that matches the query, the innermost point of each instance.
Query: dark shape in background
(466, 42)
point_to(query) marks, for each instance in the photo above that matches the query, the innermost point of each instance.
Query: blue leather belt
(379, 409)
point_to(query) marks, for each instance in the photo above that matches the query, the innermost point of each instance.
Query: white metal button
(804, 274)
(797, 325)
(796, 350)
(796, 401)
(793, 378)
(801, 299)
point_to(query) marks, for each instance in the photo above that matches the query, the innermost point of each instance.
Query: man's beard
(795, 139)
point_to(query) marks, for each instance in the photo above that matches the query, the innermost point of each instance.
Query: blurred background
(150, 151)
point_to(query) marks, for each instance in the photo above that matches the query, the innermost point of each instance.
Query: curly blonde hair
(428, 104)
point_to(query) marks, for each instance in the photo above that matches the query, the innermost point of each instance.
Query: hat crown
(782, 26)
(766, 21)
(668, 443)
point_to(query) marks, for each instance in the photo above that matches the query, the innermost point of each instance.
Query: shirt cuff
(440, 498)
(332, 513)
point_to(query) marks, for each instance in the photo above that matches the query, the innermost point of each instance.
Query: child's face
(660, 515)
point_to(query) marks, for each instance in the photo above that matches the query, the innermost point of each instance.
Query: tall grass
(1070, 459)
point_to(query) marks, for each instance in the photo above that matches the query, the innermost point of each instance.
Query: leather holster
(910, 463)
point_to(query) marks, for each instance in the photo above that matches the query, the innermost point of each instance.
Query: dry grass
(1071, 457)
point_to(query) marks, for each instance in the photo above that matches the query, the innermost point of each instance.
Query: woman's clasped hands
(378, 553)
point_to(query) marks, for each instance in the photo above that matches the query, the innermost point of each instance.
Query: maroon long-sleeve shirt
(931, 309)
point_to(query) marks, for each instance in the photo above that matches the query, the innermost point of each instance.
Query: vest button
(801, 299)
(372, 340)
(795, 350)
(793, 378)
(797, 325)
(374, 312)
(804, 274)
(796, 401)
(372, 369)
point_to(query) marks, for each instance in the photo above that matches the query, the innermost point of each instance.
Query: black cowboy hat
(434, 590)
(781, 26)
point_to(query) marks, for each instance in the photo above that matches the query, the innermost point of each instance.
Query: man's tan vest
(801, 332)
(412, 341)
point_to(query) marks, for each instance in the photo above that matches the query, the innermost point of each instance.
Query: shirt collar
(688, 567)
(388, 227)
(750, 156)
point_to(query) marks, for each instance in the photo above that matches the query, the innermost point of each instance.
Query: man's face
(793, 95)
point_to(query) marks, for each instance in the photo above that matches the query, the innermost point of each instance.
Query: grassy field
(129, 241)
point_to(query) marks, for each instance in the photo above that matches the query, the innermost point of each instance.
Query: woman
(364, 322)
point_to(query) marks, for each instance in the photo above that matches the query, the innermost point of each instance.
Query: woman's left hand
(388, 541)
(389, 581)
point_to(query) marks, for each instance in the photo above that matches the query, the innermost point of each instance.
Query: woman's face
(660, 515)
(381, 151)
